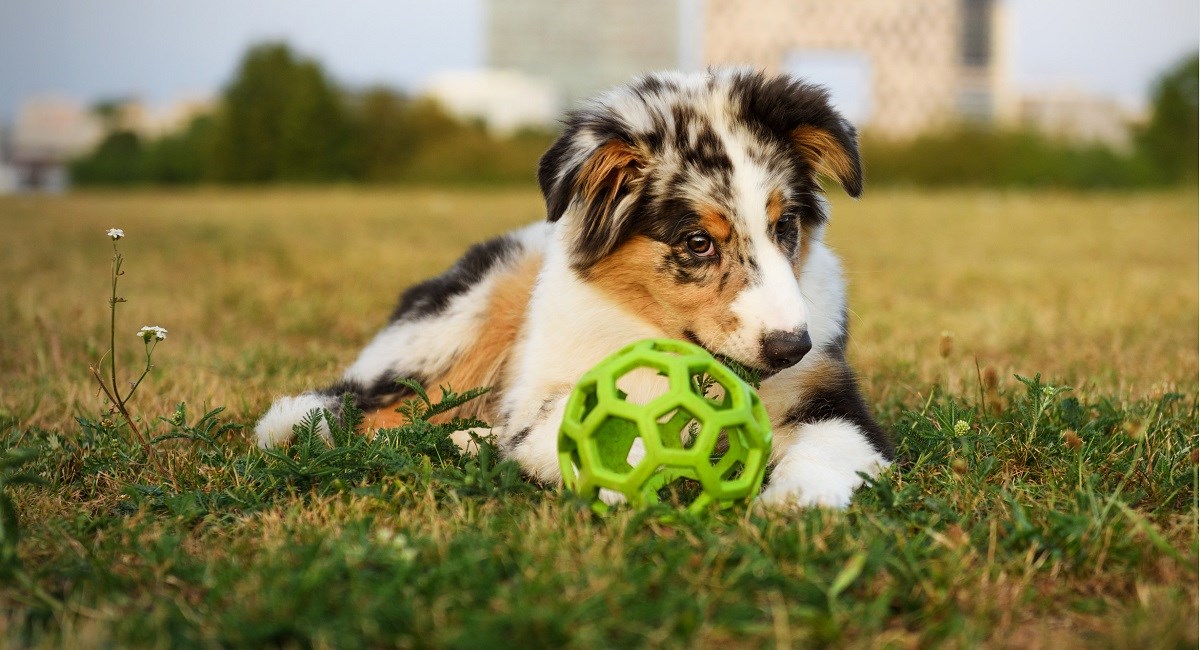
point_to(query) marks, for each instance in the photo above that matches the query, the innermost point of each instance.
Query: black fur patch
(519, 437)
(367, 397)
(840, 398)
(778, 105)
(430, 297)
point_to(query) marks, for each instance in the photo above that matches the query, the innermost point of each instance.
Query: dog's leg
(530, 436)
(819, 465)
(825, 439)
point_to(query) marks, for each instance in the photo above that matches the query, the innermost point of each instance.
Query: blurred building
(582, 46)
(897, 66)
(505, 100)
(148, 122)
(1079, 116)
(47, 133)
(8, 173)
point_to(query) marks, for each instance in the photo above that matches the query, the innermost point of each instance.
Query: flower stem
(149, 366)
(112, 323)
(114, 395)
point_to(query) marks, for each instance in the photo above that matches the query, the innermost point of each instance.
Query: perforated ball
(693, 432)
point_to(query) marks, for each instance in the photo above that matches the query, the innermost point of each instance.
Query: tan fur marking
(774, 206)
(481, 364)
(821, 371)
(631, 277)
(715, 224)
(807, 234)
(626, 274)
(613, 164)
(825, 151)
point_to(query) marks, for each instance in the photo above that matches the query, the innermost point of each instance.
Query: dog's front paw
(822, 467)
(817, 486)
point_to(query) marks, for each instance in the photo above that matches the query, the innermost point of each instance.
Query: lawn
(1050, 512)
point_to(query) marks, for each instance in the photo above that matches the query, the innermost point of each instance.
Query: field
(1048, 518)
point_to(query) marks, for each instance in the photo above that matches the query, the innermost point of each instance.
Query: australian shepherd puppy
(681, 206)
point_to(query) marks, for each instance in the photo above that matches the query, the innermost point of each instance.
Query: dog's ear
(801, 114)
(596, 174)
(834, 152)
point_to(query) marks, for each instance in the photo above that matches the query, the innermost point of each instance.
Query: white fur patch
(820, 466)
(275, 427)
(824, 291)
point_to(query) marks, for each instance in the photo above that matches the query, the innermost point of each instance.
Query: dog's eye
(701, 244)
(785, 225)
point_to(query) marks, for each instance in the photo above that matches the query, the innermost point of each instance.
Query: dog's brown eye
(784, 225)
(701, 244)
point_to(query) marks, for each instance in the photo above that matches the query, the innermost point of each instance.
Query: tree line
(282, 120)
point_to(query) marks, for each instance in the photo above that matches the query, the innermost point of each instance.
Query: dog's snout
(785, 349)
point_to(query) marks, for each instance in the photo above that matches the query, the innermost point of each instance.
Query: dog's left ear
(801, 114)
(596, 173)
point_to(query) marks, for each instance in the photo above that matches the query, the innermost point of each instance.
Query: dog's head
(693, 201)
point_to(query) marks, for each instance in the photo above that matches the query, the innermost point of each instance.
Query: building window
(846, 73)
(976, 33)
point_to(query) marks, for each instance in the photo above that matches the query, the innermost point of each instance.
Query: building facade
(909, 64)
(581, 47)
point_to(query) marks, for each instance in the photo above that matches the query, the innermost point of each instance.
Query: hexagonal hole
(720, 458)
(614, 439)
(707, 387)
(734, 472)
(678, 428)
(680, 493)
(643, 384)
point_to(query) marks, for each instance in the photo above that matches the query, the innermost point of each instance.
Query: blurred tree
(117, 161)
(1171, 137)
(109, 111)
(974, 155)
(281, 120)
(392, 129)
(179, 158)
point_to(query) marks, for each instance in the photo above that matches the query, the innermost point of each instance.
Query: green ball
(707, 438)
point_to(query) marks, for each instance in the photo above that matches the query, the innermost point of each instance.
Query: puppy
(681, 206)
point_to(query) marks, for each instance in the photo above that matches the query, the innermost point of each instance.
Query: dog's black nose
(785, 349)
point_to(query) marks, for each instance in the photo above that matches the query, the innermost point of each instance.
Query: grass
(1046, 519)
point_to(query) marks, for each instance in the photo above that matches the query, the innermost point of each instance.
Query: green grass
(1051, 519)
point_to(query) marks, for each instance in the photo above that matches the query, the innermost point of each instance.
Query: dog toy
(703, 439)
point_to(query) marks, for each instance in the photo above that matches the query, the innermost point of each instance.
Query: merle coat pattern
(683, 206)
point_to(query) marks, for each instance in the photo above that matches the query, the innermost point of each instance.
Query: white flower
(116, 233)
(152, 332)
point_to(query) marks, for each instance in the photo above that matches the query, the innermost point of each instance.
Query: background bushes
(282, 120)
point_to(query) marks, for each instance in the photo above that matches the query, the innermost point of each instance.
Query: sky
(161, 50)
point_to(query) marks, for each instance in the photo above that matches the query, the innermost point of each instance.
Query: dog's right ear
(591, 175)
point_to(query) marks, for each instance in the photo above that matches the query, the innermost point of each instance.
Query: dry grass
(265, 292)
(1006, 536)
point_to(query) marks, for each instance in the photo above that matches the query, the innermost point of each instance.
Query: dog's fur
(682, 206)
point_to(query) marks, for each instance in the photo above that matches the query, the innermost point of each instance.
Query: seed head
(946, 345)
(991, 379)
(1135, 429)
(1072, 439)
